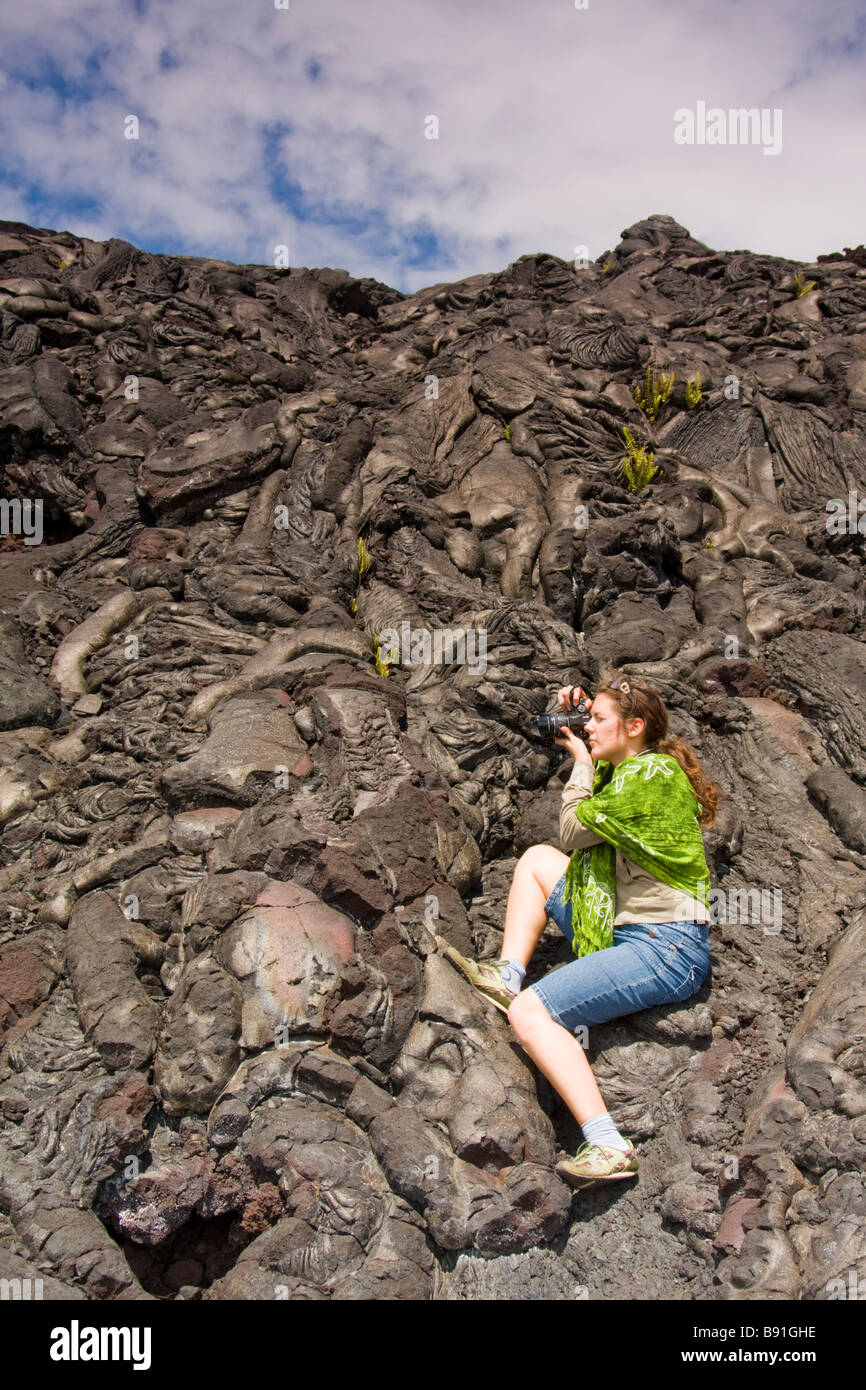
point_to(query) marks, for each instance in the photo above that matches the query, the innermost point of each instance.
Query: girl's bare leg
(536, 875)
(557, 1054)
(555, 1051)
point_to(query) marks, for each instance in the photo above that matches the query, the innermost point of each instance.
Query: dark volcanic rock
(314, 554)
(24, 698)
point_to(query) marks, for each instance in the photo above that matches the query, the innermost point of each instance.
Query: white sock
(512, 973)
(602, 1130)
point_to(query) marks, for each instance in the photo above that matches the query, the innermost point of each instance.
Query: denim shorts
(649, 963)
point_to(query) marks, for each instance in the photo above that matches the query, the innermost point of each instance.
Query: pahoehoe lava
(233, 1063)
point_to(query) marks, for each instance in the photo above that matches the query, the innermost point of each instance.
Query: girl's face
(608, 735)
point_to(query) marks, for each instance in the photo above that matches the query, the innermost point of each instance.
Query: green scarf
(645, 808)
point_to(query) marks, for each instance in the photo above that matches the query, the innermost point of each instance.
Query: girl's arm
(573, 835)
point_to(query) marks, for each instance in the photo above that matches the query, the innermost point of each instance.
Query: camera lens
(550, 724)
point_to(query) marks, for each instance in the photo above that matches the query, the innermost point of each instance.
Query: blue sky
(305, 127)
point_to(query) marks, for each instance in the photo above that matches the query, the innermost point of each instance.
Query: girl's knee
(527, 1014)
(533, 856)
(545, 864)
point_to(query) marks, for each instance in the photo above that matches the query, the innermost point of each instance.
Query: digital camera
(549, 724)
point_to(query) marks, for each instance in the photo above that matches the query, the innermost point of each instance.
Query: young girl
(631, 899)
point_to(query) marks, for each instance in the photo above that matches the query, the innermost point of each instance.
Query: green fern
(653, 392)
(508, 433)
(802, 286)
(381, 666)
(693, 389)
(365, 560)
(637, 464)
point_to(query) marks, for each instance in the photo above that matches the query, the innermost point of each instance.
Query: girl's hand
(566, 697)
(569, 698)
(567, 738)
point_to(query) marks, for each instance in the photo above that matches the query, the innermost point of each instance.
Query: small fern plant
(693, 389)
(365, 560)
(801, 285)
(637, 464)
(382, 667)
(652, 393)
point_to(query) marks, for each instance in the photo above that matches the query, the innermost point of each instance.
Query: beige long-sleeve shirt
(640, 897)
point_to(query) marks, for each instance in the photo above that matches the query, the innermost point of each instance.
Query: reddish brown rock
(25, 981)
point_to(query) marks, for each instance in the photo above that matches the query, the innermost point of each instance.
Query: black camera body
(549, 724)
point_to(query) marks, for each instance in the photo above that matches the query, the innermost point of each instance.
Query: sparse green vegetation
(802, 286)
(365, 560)
(508, 433)
(652, 393)
(637, 464)
(381, 666)
(693, 389)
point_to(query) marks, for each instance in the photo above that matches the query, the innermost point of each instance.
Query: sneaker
(483, 975)
(598, 1163)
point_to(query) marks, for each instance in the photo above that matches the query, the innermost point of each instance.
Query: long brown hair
(647, 704)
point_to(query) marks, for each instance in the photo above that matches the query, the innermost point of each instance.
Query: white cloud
(556, 126)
